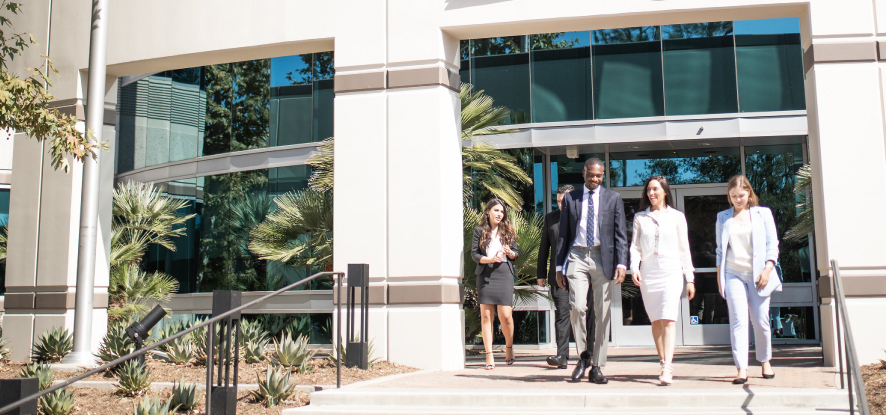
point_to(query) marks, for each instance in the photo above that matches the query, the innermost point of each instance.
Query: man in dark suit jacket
(592, 251)
(547, 275)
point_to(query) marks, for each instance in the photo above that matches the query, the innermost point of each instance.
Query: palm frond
(322, 180)
(298, 232)
(142, 207)
(4, 240)
(478, 116)
(805, 220)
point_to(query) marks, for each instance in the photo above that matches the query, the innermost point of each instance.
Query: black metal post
(358, 343)
(338, 333)
(839, 334)
(221, 397)
(12, 390)
(853, 367)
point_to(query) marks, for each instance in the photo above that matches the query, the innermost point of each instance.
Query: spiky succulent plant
(41, 371)
(133, 378)
(53, 345)
(152, 406)
(184, 395)
(294, 354)
(274, 388)
(115, 344)
(58, 402)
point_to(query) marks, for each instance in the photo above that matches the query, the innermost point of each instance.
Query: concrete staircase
(740, 401)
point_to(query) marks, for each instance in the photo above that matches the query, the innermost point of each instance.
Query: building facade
(226, 118)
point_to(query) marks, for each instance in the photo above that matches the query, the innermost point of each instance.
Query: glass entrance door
(705, 319)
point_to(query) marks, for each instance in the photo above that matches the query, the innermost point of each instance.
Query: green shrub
(115, 344)
(184, 395)
(59, 402)
(133, 378)
(149, 406)
(294, 354)
(40, 371)
(53, 345)
(274, 388)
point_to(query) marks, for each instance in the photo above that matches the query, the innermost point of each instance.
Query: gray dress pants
(585, 273)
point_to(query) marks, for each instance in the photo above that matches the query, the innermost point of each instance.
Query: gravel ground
(875, 387)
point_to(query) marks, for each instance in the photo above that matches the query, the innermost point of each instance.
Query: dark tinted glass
(501, 67)
(699, 68)
(464, 70)
(252, 96)
(561, 77)
(218, 84)
(187, 114)
(627, 73)
(565, 170)
(792, 323)
(715, 165)
(772, 172)
(769, 60)
(4, 221)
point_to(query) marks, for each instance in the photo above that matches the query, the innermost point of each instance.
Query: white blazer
(764, 242)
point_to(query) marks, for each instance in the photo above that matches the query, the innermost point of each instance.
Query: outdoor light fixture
(572, 152)
(139, 330)
(635, 147)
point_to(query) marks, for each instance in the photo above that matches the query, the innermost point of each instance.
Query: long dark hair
(506, 232)
(644, 199)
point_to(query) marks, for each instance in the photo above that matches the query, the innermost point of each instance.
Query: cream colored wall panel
(20, 344)
(34, 19)
(851, 151)
(21, 265)
(59, 225)
(841, 18)
(413, 38)
(360, 33)
(880, 15)
(425, 193)
(867, 317)
(361, 182)
(429, 337)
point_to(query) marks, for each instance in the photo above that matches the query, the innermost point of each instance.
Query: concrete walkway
(628, 368)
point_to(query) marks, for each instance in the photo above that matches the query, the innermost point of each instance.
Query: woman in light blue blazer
(747, 251)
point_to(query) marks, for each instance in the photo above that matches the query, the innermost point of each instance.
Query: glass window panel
(501, 67)
(565, 170)
(464, 70)
(4, 207)
(218, 84)
(159, 97)
(772, 172)
(627, 73)
(561, 77)
(699, 68)
(769, 62)
(324, 66)
(286, 179)
(291, 70)
(792, 323)
(251, 111)
(708, 305)
(323, 109)
(187, 111)
(714, 165)
(291, 99)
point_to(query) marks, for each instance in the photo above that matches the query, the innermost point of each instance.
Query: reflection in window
(252, 94)
(213, 253)
(218, 82)
(464, 69)
(715, 165)
(699, 68)
(772, 172)
(792, 323)
(565, 170)
(561, 77)
(302, 98)
(627, 72)
(4, 222)
(501, 67)
(769, 61)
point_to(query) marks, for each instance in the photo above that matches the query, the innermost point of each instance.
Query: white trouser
(742, 298)
(585, 273)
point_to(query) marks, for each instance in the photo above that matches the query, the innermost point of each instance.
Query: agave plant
(4, 350)
(41, 371)
(254, 341)
(167, 330)
(53, 345)
(274, 388)
(201, 346)
(58, 402)
(115, 344)
(294, 354)
(344, 354)
(152, 406)
(133, 379)
(180, 351)
(184, 395)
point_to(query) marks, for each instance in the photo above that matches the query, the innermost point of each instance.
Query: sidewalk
(694, 368)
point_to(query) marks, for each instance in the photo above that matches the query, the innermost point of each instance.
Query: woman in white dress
(660, 260)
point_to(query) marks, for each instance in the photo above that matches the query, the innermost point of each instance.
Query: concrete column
(845, 104)
(398, 180)
(42, 257)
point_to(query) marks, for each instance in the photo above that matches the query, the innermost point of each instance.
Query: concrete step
(771, 401)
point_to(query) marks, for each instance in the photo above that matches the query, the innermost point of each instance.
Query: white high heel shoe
(667, 374)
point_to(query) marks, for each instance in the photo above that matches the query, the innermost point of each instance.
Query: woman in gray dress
(494, 248)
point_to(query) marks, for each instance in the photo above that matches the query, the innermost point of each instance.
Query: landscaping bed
(875, 387)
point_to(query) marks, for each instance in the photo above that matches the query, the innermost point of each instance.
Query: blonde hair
(744, 184)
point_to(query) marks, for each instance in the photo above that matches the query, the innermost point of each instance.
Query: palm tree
(805, 219)
(298, 232)
(4, 231)
(141, 216)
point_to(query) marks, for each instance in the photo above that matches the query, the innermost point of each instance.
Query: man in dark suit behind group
(547, 274)
(592, 253)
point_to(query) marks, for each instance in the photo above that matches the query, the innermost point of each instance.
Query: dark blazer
(613, 237)
(550, 234)
(478, 252)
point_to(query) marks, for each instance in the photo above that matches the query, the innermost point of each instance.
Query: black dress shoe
(558, 361)
(596, 376)
(740, 381)
(581, 366)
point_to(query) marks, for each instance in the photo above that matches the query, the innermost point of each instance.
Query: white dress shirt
(581, 234)
(665, 236)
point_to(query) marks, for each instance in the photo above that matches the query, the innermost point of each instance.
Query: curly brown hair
(506, 232)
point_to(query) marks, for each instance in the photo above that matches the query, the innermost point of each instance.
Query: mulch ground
(875, 387)
(89, 401)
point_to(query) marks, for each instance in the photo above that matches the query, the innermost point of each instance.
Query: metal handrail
(159, 343)
(853, 369)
